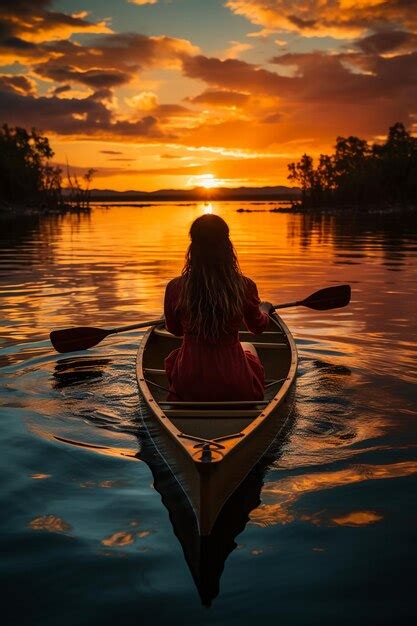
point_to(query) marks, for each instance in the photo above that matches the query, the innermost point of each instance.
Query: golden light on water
(358, 518)
(51, 523)
(207, 208)
(119, 538)
(280, 497)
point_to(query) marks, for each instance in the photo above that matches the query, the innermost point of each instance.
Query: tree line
(359, 174)
(27, 175)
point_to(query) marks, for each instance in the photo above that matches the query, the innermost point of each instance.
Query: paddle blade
(329, 298)
(73, 339)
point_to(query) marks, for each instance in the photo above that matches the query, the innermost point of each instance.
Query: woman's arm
(256, 320)
(171, 312)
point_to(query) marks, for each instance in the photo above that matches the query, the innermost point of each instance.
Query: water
(85, 538)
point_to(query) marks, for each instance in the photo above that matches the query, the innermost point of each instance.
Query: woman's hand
(266, 307)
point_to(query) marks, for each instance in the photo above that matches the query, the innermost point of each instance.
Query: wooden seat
(269, 345)
(226, 403)
(163, 332)
(155, 372)
(213, 413)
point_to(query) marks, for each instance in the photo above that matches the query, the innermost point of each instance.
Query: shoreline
(294, 208)
(7, 209)
(298, 209)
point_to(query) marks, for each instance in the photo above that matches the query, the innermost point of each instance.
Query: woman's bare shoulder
(249, 283)
(174, 284)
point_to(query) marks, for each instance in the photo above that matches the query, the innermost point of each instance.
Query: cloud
(336, 18)
(102, 62)
(93, 78)
(235, 75)
(220, 98)
(84, 117)
(141, 2)
(319, 77)
(273, 118)
(327, 95)
(122, 159)
(147, 101)
(168, 111)
(110, 152)
(61, 89)
(235, 49)
(108, 60)
(29, 33)
(23, 22)
(17, 84)
(388, 41)
(144, 101)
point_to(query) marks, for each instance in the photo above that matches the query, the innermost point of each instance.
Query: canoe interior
(224, 418)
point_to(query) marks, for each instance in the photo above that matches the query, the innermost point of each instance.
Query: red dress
(211, 370)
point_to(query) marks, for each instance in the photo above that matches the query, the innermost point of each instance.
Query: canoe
(211, 447)
(206, 556)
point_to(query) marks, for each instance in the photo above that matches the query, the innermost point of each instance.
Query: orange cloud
(336, 18)
(110, 60)
(78, 117)
(35, 22)
(220, 98)
(17, 84)
(323, 95)
(236, 48)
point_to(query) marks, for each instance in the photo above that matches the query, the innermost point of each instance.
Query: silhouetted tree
(26, 175)
(22, 158)
(303, 173)
(359, 174)
(79, 194)
(397, 159)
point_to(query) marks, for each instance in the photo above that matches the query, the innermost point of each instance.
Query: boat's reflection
(206, 556)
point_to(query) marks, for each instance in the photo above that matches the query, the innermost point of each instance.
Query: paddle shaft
(123, 329)
(84, 337)
(286, 305)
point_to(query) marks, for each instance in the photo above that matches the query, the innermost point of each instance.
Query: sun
(206, 181)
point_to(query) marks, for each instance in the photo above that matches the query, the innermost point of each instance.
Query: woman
(206, 305)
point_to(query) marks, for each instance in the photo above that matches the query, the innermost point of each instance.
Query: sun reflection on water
(207, 208)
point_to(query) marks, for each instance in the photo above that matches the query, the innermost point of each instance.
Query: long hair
(213, 285)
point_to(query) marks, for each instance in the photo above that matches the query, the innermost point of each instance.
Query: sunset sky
(178, 93)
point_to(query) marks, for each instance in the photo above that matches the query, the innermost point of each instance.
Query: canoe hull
(208, 484)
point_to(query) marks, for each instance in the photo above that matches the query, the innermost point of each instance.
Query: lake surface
(85, 538)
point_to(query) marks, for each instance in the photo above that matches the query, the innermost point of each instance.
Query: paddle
(84, 337)
(323, 300)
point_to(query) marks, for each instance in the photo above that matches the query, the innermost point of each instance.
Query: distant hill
(199, 193)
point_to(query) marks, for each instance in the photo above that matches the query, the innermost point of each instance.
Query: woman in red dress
(206, 305)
